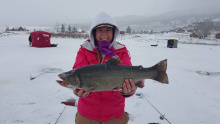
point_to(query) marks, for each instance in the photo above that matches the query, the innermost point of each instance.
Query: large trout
(111, 75)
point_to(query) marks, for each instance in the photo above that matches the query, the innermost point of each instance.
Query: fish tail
(162, 75)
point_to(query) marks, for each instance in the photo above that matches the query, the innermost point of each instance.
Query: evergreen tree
(62, 28)
(128, 30)
(141, 31)
(133, 32)
(74, 30)
(69, 28)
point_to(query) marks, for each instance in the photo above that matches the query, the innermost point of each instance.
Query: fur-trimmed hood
(102, 18)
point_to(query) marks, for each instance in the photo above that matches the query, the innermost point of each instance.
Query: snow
(192, 96)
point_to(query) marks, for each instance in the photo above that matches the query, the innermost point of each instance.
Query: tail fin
(162, 75)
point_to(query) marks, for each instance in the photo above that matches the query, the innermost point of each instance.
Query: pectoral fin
(62, 83)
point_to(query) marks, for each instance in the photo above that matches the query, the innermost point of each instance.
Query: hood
(102, 18)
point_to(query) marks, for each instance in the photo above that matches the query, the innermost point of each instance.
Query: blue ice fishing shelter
(172, 43)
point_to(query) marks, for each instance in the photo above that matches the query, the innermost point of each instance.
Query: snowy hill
(166, 21)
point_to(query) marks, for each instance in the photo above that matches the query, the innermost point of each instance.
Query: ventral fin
(114, 61)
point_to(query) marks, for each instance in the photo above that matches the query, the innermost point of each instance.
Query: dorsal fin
(114, 61)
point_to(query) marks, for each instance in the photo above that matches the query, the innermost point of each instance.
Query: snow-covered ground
(192, 97)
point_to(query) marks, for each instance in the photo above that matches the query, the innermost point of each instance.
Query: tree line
(61, 30)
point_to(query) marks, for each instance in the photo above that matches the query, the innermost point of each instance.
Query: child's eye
(99, 30)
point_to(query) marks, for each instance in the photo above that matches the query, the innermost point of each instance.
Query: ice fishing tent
(172, 43)
(40, 39)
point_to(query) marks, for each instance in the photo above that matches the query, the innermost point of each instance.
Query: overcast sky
(45, 12)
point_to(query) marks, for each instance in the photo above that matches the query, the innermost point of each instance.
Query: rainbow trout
(111, 75)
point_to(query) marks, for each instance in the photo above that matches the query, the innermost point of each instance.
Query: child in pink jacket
(104, 106)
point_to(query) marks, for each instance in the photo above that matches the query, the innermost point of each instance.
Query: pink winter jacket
(105, 105)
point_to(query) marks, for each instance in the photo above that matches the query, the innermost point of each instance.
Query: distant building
(194, 35)
(217, 36)
(13, 29)
(83, 31)
(122, 33)
(19, 29)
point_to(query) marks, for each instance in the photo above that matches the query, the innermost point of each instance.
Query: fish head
(70, 79)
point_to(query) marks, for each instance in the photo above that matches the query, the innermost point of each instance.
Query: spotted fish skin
(111, 75)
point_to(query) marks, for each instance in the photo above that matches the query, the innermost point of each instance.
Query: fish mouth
(62, 82)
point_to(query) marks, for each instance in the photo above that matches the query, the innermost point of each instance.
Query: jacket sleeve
(129, 95)
(81, 59)
(125, 57)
